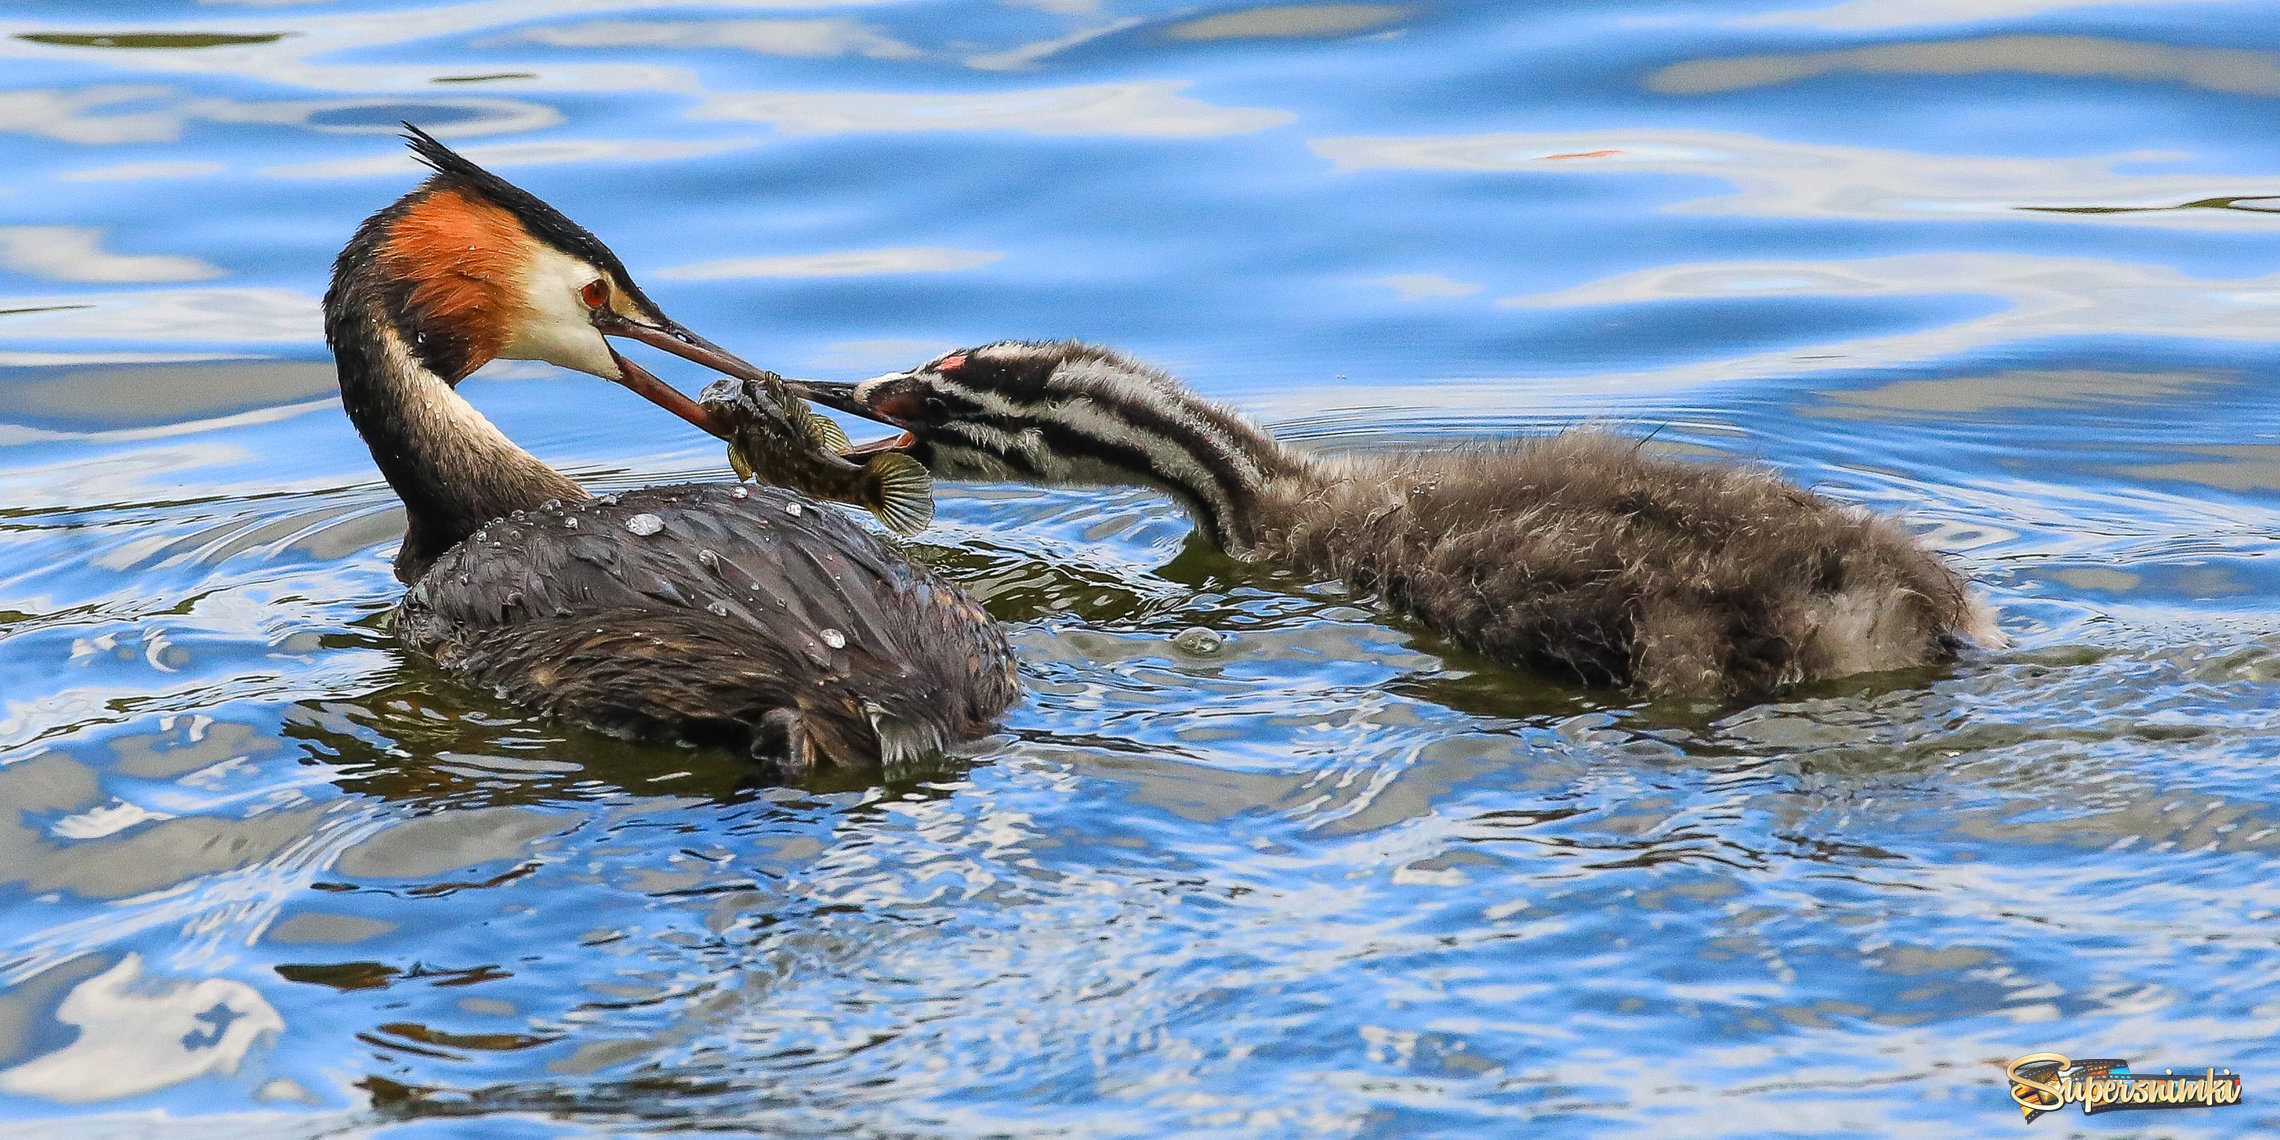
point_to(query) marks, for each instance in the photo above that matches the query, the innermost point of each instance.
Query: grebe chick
(756, 617)
(1579, 554)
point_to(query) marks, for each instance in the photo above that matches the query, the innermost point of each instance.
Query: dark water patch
(146, 40)
(389, 116)
(2229, 70)
(1289, 22)
(2251, 203)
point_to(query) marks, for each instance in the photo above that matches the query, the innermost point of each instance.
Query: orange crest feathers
(463, 256)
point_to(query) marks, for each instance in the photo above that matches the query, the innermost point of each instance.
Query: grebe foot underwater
(1579, 555)
(751, 616)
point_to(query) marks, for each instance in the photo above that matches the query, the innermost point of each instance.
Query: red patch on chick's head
(464, 257)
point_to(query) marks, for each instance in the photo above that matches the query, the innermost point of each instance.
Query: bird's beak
(688, 346)
(834, 394)
(900, 441)
(840, 396)
(665, 395)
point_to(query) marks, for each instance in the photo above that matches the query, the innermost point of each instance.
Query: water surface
(2010, 268)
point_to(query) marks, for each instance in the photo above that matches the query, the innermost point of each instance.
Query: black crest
(544, 222)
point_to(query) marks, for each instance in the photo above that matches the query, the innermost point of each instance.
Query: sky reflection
(2008, 270)
(2044, 297)
(1775, 178)
(1154, 109)
(1868, 15)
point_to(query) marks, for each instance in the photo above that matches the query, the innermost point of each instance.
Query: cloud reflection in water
(1148, 108)
(137, 1036)
(1773, 178)
(2086, 57)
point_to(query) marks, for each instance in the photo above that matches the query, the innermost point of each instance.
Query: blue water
(2009, 267)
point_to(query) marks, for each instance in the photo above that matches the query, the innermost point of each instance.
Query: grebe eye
(596, 294)
(951, 363)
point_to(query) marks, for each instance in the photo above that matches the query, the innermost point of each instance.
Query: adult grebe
(752, 616)
(1577, 554)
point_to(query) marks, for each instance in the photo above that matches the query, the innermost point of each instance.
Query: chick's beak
(840, 396)
(837, 395)
(900, 441)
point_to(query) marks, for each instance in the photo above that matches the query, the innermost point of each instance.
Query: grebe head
(1034, 411)
(470, 268)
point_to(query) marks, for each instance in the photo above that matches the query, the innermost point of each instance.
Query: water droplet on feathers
(645, 524)
(834, 639)
(1198, 640)
(792, 509)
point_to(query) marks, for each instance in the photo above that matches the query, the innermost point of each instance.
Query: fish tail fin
(904, 493)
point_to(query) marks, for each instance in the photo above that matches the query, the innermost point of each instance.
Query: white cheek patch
(555, 325)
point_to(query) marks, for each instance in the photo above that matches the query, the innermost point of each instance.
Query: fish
(775, 437)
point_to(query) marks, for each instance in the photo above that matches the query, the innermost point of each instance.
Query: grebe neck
(450, 465)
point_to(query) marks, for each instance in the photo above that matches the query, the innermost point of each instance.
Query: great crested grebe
(1576, 554)
(752, 616)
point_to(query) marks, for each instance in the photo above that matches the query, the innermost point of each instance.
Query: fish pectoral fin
(826, 433)
(737, 464)
(905, 493)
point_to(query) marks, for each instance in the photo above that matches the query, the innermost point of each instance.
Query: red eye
(596, 293)
(951, 363)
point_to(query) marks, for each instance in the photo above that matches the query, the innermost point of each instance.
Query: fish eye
(936, 410)
(596, 294)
